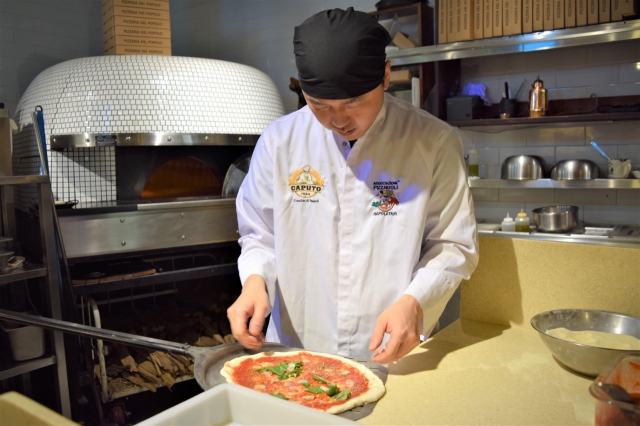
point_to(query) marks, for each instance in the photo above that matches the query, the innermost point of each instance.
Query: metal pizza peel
(208, 362)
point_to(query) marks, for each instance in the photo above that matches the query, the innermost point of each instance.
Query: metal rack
(556, 184)
(545, 40)
(48, 270)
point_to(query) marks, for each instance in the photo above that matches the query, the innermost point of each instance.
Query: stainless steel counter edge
(221, 202)
(590, 240)
(91, 140)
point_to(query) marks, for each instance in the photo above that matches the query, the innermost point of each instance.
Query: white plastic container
(508, 225)
(26, 341)
(229, 404)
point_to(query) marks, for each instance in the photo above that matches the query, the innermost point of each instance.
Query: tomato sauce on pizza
(311, 380)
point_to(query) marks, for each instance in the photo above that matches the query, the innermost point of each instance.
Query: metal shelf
(10, 368)
(30, 270)
(556, 119)
(21, 180)
(545, 40)
(556, 184)
(158, 278)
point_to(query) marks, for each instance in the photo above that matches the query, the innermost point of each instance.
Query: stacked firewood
(203, 327)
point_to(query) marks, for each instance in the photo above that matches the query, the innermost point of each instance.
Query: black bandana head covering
(340, 54)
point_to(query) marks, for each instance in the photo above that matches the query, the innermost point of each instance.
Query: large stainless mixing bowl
(523, 167)
(585, 359)
(556, 218)
(575, 170)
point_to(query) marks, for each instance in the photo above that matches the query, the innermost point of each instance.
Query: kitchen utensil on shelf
(537, 99)
(600, 150)
(207, 361)
(556, 218)
(575, 170)
(523, 167)
(585, 359)
(65, 204)
(619, 169)
(508, 106)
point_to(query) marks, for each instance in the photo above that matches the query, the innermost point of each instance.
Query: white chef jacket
(339, 234)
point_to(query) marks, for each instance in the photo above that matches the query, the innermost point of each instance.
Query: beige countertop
(477, 373)
(491, 367)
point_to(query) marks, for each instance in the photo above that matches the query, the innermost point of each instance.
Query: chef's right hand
(252, 303)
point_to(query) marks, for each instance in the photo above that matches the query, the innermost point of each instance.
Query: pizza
(328, 383)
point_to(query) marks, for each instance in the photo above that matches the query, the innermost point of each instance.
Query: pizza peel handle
(98, 333)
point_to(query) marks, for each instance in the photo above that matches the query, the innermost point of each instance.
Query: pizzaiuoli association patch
(306, 183)
(385, 199)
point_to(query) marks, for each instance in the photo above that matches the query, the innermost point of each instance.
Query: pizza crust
(374, 393)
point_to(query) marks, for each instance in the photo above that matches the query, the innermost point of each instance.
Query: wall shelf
(556, 184)
(557, 119)
(30, 270)
(545, 40)
(10, 368)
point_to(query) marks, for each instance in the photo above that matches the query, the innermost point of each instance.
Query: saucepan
(207, 361)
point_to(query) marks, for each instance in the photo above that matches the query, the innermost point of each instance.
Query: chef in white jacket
(355, 218)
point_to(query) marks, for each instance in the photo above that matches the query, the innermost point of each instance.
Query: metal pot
(575, 170)
(556, 218)
(523, 167)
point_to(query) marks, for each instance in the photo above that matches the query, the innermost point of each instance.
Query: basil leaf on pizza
(321, 381)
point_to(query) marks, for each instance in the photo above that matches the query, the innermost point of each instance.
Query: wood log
(219, 338)
(206, 342)
(125, 357)
(137, 380)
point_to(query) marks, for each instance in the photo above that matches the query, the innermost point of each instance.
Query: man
(355, 218)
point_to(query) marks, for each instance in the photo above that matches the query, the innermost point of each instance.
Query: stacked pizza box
(462, 20)
(136, 27)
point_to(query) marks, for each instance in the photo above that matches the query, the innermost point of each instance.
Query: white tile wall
(554, 144)
(610, 69)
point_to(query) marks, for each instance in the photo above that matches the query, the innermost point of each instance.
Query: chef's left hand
(401, 321)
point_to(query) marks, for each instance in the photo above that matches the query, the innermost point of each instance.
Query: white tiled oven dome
(133, 94)
(140, 94)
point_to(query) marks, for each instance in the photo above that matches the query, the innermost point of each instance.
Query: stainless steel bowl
(523, 167)
(556, 218)
(575, 170)
(585, 359)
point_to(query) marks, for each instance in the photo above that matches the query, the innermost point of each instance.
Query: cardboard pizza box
(581, 13)
(516, 17)
(537, 7)
(137, 41)
(527, 16)
(487, 32)
(136, 32)
(458, 20)
(629, 9)
(506, 17)
(138, 50)
(547, 20)
(592, 12)
(442, 21)
(402, 41)
(558, 14)
(569, 13)
(130, 12)
(478, 15)
(400, 76)
(125, 21)
(451, 18)
(497, 18)
(604, 11)
(138, 4)
(466, 30)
